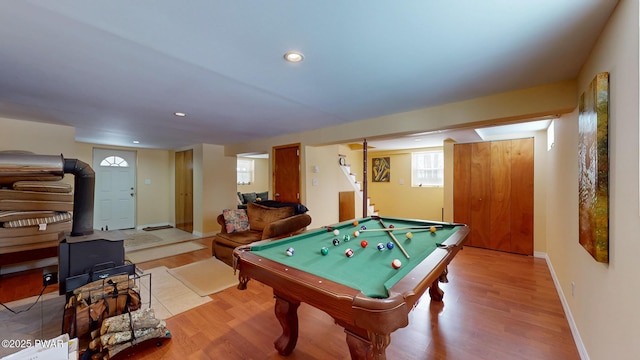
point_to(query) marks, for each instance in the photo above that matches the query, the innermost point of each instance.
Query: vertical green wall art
(593, 152)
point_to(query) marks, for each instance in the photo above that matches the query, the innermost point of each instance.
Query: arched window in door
(114, 161)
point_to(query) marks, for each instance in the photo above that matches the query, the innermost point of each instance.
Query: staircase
(346, 169)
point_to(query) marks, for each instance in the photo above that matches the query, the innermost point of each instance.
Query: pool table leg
(287, 314)
(372, 349)
(434, 290)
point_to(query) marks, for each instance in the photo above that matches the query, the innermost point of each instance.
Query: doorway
(115, 204)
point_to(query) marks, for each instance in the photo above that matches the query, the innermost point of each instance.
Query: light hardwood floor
(496, 306)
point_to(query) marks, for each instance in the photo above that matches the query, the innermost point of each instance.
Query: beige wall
(397, 198)
(605, 301)
(262, 177)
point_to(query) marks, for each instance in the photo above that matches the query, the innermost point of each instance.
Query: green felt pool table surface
(368, 270)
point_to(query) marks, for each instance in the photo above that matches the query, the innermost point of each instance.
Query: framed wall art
(593, 167)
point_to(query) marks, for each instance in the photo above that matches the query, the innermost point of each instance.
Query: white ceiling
(117, 70)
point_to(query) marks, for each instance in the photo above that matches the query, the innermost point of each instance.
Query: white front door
(115, 204)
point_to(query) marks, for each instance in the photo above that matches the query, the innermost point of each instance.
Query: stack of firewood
(120, 332)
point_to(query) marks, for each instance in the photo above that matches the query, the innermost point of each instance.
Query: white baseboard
(567, 311)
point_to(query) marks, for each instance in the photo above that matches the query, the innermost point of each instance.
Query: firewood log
(123, 336)
(112, 350)
(143, 318)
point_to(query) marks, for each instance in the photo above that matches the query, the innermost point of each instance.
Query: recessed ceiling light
(136, 142)
(179, 114)
(293, 56)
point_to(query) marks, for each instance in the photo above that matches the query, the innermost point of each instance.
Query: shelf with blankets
(34, 215)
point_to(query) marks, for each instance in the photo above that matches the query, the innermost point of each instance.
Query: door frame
(130, 155)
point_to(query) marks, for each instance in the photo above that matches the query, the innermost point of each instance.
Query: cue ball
(356, 233)
(336, 232)
(364, 243)
(396, 264)
(336, 242)
(380, 247)
(432, 229)
(389, 245)
(348, 252)
(324, 251)
(290, 251)
(409, 235)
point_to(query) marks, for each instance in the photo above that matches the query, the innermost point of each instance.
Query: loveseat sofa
(258, 222)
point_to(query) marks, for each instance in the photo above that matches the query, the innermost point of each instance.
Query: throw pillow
(235, 220)
(261, 216)
(240, 199)
(249, 197)
(263, 196)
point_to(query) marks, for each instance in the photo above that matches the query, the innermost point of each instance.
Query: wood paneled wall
(493, 193)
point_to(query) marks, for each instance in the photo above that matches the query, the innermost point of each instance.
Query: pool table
(363, 292)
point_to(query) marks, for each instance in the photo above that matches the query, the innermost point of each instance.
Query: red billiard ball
(391, 226)
(396, 264)
(348, 252)
(364, 243)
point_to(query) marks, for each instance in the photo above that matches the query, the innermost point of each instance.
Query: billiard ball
(355, 223)
(346, 237)
(380, 247)
(336, 242)
(336, 232)
(290, 251)
(396, 264)
(409, 235)
(356, 233)
(324, 251)
(348, 252)
(363, 227)
(364, 243)
(389, 245)
(432, 229)
(391, 226)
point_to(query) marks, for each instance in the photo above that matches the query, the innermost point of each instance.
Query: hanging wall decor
(593, 166)
(381, 170)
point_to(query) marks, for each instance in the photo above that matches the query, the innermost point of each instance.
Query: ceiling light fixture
(136, 142)
(179, 114)
(293, 56)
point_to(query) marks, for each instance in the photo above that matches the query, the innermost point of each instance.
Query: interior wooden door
(500, 203)
(522, 161)
(286, 173)
(347, 205)
(462, 186)
(481, 194)
(184, 190)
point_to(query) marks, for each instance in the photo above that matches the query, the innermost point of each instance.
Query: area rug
(206, 277)
(138, 240)
(169, 296)
(160, 252)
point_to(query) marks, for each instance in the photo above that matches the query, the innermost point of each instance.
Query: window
(114, 161)
(245, 171)
(427, 168)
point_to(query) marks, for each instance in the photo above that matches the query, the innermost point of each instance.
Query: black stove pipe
(83, 191)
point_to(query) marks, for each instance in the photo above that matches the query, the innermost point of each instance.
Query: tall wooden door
(184, 190)
(346, 205)
(493, 193)
(286, 173)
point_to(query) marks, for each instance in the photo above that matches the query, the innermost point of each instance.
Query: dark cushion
(260, 216)
(262, 196)
(249, 197)
(297, 207)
